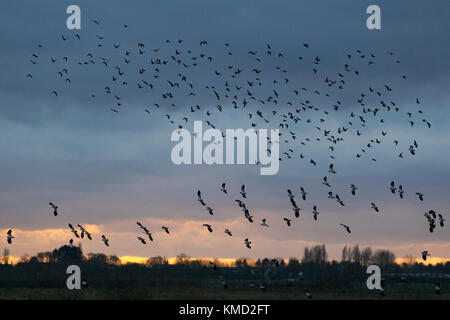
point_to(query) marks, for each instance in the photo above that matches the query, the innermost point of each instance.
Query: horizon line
(230, 262)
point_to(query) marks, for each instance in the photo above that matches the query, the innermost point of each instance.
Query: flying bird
(55, 208)
(400, 191)
(84, 232)
(223, 189)
(374, 207)
(290, 194)
(441, 220)
(74, 231)
(242, 192)
(346, 227)
(315, 212)
(9, 236)
(166, 229)
(208, 226)
(392, 187)
(424, 255)
(199, 198)
(105, 240)
(288, 221)
(302, 190)
(263, 223)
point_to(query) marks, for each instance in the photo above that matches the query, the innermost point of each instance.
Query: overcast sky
(107, 170)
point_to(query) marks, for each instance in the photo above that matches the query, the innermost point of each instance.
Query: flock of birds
(263, 92)
(431, 215)
(82, 232)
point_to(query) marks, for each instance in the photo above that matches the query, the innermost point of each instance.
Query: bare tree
(317, 254)
(182, 258)
(366, 256)
(383, 258)
(307, 256)
(409, 260)
(356, 255)
(344, 254)
(5, 257)
(25, 258)
(293, 262)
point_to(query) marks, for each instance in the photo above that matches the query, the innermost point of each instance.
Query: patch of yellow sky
(230, 262)
(431, 260)
(173, 260)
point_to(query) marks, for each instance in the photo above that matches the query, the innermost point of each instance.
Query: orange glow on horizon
(432, 260)
(231, 262)
(173, 260)
(251, 262)
(41, 239)
(133, 259)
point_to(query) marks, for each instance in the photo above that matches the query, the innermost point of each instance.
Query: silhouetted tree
(182, 259)
(67, 255)
(383, 258)
(97, 258)
(345, 254)
(409, 260)
(155, 261)
(5, 257)
(317, 254)
(307, 256)
(356, 255)
(366, 256)
(241, 263)
(293, 262)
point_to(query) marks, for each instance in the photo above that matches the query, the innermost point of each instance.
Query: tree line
(48, 269)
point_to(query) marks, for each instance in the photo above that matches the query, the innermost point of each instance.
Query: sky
(107, 170)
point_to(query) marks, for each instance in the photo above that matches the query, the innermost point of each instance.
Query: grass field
(215, 293)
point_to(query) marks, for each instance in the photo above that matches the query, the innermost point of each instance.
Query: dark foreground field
(194, 293)
(45, 276)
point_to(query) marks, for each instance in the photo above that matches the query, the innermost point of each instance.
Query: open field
(214, 293)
